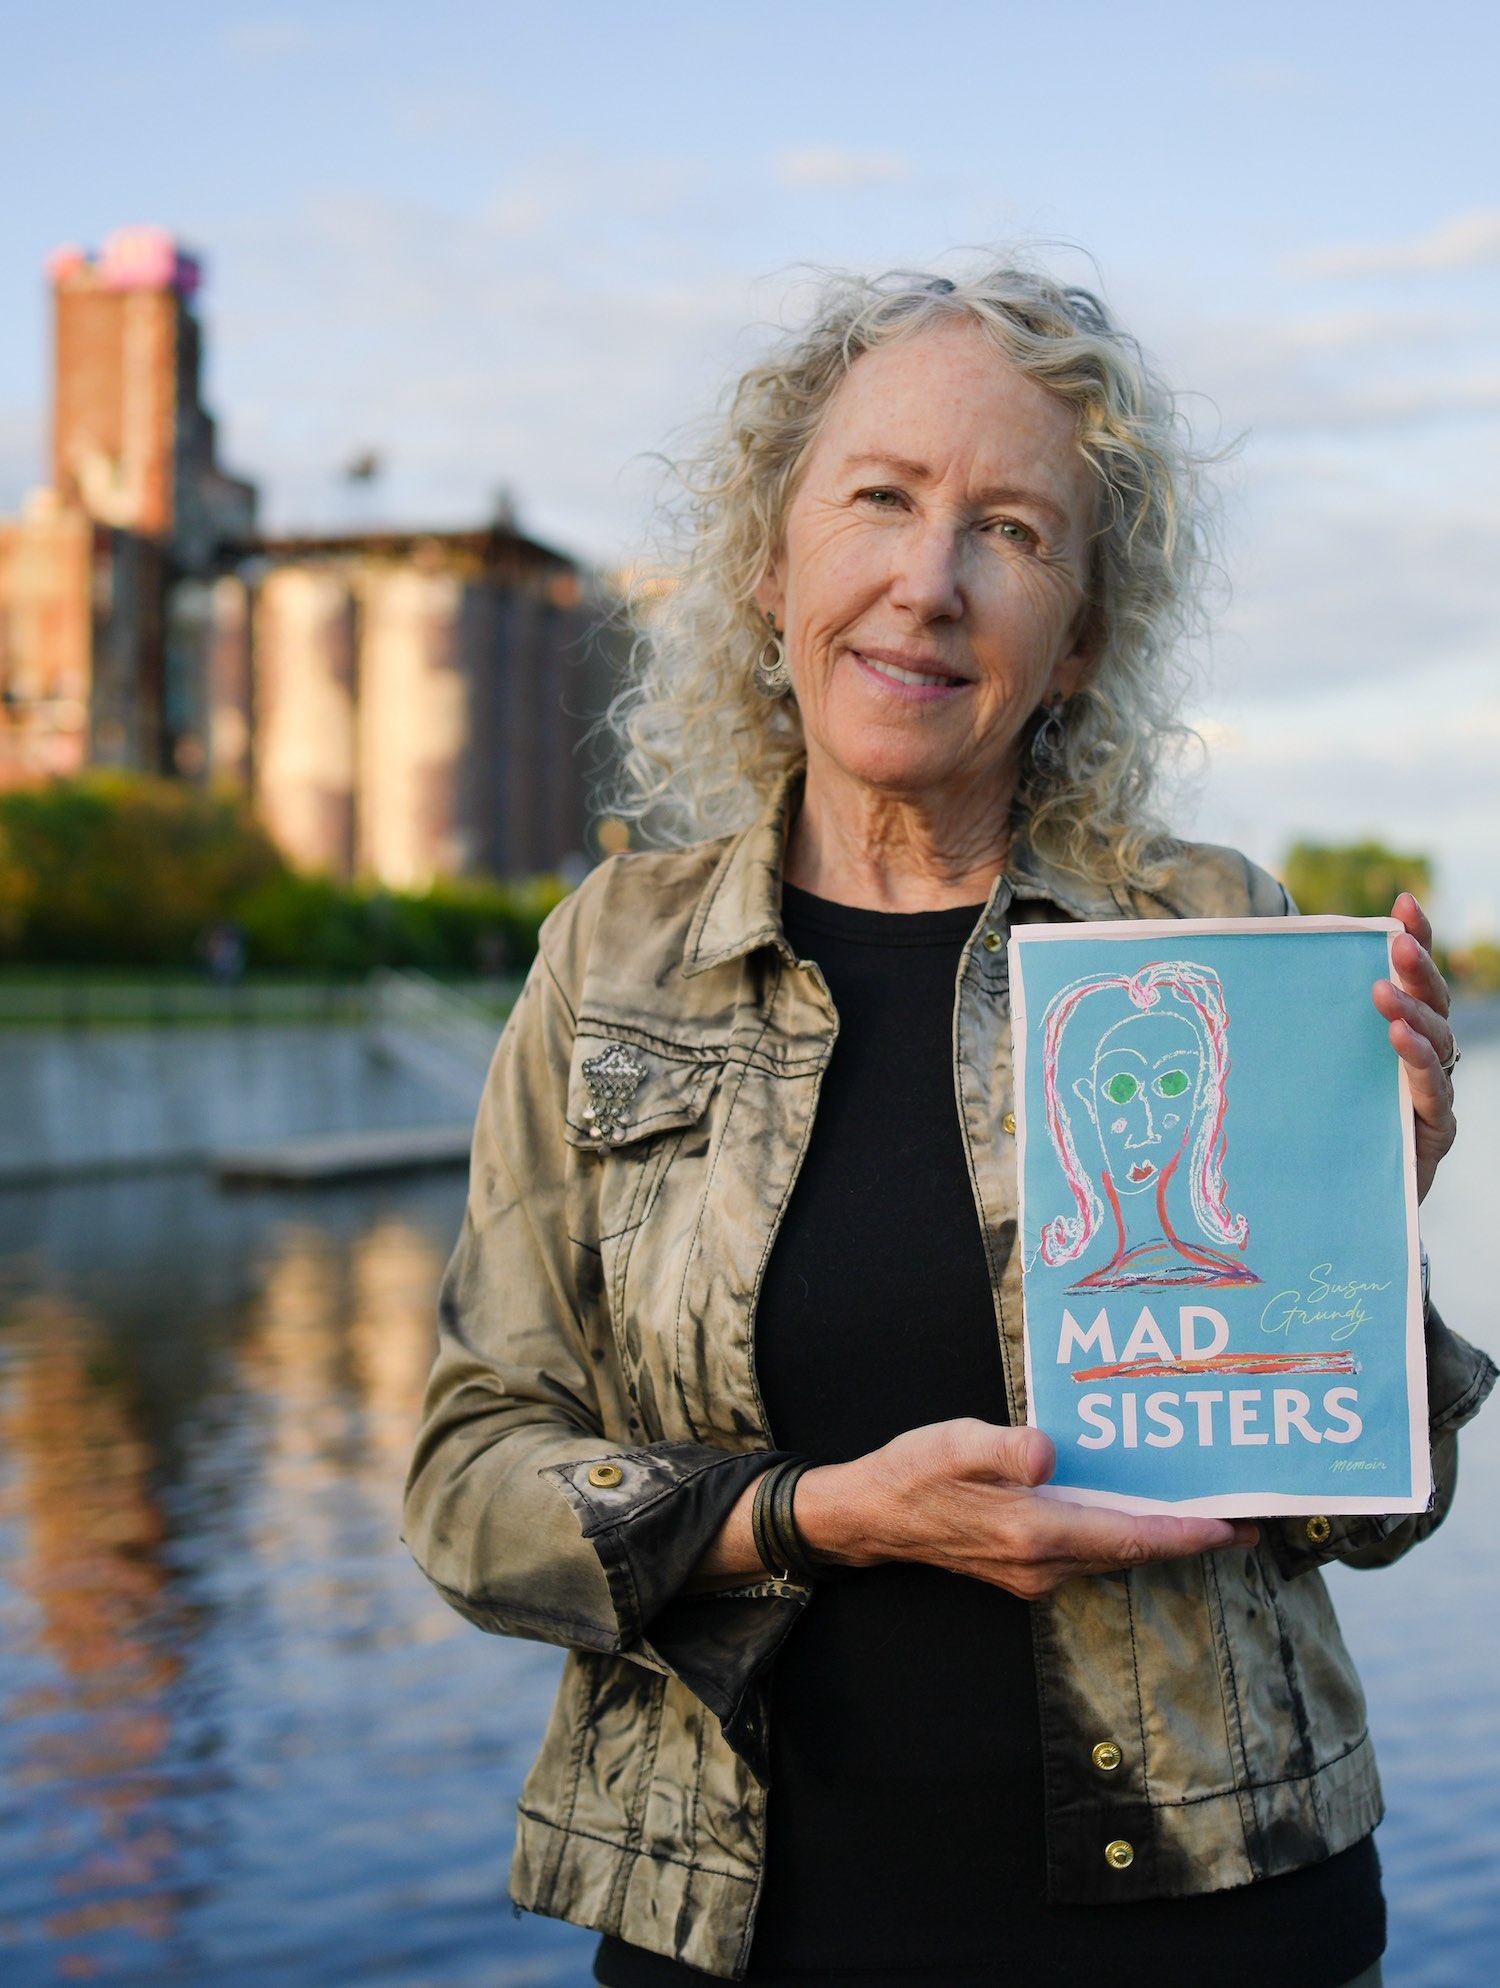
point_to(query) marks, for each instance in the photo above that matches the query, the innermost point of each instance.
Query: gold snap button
(1119, 1855)
(605, 1476)
(1319, 1531)
(1009, 1121)
(992, 942)
(1107, 1756)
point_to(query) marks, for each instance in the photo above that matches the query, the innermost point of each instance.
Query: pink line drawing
(1155, 1094)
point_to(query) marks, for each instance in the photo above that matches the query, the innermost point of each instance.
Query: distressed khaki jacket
(593, 1413)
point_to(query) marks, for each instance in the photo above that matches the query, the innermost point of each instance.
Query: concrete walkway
(345, 1156)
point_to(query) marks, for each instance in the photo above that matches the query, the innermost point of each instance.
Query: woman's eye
(1172, 1083)
(1121, 1089)
(883, 500)
(1016, 532)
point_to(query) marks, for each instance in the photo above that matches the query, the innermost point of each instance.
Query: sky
(515, 248)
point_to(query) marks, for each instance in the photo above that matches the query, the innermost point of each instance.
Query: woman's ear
(1083, 1090)
(1074, 669)
(770, 595)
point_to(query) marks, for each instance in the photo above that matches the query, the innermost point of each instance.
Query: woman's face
(1144, 1094)
(932, 577)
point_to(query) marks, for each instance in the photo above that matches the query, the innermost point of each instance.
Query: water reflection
(1425, 1631)
(240, 1740)
(238, 1735)
(92, 1722)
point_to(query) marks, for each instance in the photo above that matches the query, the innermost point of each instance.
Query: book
(1218, 1217)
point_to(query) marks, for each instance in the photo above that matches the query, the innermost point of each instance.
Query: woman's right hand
(962, 1495)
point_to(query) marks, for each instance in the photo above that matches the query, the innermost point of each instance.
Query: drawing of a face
(1155, 1091)
(1143, 1094)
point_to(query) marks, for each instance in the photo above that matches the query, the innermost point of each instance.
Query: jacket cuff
(1459, 1379)
(650, 1514)
(1299, 1544)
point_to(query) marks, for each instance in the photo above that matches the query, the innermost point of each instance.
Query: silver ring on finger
(1451, 1063)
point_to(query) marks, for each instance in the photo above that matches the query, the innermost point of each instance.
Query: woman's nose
(927, 580)
(1143, 1132)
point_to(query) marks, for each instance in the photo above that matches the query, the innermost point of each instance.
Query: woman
(743, 1201)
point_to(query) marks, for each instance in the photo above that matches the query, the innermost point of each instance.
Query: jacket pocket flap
(619, 1091)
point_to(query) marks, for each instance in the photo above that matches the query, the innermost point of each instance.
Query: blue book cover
(1218, 1217)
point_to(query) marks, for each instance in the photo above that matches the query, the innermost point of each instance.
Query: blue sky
(517, 245)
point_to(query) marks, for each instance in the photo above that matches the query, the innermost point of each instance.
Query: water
(1426, 1632)
(242, 1742)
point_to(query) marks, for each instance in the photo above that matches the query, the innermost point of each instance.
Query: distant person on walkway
(223, 950)
(729, 1396)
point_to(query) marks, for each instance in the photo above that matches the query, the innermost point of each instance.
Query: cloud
(1338, 585)
(832, 166)
(546, 343)
(1360, 330)
(1467, 241)
(1263, 349)
(1343, 371)
(1386, 404)
(264, 43)
(1350, 679)
(1412, 763)
(1266, 79)
(446, 113)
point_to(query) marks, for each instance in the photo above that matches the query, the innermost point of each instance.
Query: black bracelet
(773, 1524)
(759, 1509)
(788, 1541)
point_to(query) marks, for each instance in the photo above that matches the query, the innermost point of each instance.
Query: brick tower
(95, 664)
(132, 443)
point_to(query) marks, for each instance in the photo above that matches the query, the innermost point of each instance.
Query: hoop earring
(1047, 739)
(773, 679)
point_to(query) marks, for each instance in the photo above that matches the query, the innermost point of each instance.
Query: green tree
(1476, 967)
(1359, 879)
(115, 868)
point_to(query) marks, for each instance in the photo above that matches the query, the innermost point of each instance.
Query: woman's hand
(1416, 1005)
(962, 1495)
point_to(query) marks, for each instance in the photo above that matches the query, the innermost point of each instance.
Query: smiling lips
(1142, 1170)
(883, 664)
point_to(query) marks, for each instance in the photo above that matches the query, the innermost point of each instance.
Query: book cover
(1218, 1217)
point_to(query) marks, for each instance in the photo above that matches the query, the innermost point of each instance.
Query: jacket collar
(741, 909)
(1032, 878)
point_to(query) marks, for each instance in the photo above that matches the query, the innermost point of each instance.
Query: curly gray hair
(700, 747)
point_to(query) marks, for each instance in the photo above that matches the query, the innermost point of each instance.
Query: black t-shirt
(905, 1837)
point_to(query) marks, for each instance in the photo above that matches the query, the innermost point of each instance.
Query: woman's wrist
(772, 1524)
(830, 1512)
(833, 1515)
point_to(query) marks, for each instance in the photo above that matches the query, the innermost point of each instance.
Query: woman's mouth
(908, 677)
(1142, 1170)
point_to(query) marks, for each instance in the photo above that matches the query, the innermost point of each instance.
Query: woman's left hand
(1416, 1005)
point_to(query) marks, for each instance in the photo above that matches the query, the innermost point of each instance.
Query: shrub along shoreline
(116, 871)
(113, 870)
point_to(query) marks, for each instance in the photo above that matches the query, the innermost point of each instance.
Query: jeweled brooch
(613, 1078)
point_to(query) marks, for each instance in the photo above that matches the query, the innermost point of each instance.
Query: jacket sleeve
(1459, 1377)
(528, 1505)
